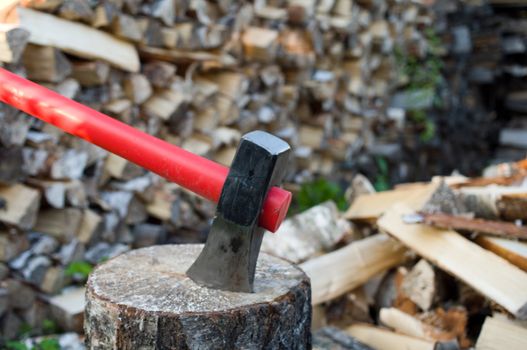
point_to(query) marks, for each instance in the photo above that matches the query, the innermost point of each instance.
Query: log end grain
(143, 299)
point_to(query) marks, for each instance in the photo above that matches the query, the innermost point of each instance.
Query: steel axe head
(228, 260)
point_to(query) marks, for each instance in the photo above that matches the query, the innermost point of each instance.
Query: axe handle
(197, 174)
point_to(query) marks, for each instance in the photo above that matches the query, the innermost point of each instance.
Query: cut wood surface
(499, 333)
(383, 339)
(498, 228)
(405, 324)
(513, 251)
(143, 299)
(20, 205)
(486, 272)
(13, 40)
(338, 272)
(77, 39)
(68, 308)
(371, 206)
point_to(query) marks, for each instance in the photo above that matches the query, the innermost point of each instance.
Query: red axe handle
(199, 175)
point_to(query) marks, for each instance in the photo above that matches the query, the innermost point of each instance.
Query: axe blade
(228, 260)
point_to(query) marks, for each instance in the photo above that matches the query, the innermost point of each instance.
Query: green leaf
(79, 268)
(319, 191)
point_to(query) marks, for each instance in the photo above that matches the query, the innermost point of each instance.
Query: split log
(164, 104)
(419, 285)
(155, 305)
(13, 40)
(62, 224)
(371, 206)
(11, 164)
(11, 245)
(489, 274)
(260, 44)
(499, 333)
(21, 204)
(90, 226)
(383, 339)
(77, 39)
(76, 10)
(404, 323)
(91, 73)
(307, 234)
(67, 309)
(54, 280)
(492, 202)
(338, 272)
(126, 27)
(137, 88)
(45, 63)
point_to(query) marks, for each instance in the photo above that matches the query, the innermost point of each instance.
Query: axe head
(228, 260)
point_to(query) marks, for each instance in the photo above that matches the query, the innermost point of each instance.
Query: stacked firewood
(196, 73)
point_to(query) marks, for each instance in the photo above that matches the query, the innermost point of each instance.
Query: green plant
(80, 269)
(382, 182)
(428, 126)
(16, 345)
(424, 77)
(44, 344)
(319, 191)
(24, 330)
(48, 344)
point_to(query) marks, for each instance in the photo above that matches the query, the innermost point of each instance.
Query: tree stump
(144, 300)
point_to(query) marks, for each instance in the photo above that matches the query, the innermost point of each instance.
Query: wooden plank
(78, 39)
(499, 333)
(513, 251)
(383, 339)
(338, 272)
(486, 272)
(371, 206)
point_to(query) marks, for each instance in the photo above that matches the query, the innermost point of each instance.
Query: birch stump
(144, 300)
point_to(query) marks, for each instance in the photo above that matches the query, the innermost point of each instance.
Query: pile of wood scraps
(438, 265)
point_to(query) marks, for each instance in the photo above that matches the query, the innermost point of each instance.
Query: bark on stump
(144, 300)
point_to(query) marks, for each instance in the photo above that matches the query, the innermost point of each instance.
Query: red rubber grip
(199, 175)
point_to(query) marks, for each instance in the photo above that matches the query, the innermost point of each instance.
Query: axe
(248, 200)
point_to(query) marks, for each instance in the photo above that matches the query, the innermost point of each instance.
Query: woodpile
(458, 281)
(326, 77)
(198, 74)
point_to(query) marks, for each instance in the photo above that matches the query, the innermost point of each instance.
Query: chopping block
(144, 300)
